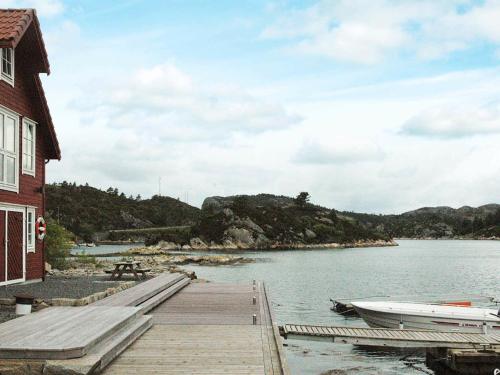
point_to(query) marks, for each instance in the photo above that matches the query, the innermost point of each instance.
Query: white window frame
(27, 122)
(30, 247)
(3, 75)
(4, 185)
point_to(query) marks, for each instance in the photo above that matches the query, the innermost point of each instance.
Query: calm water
(103, 249)
(302, 282)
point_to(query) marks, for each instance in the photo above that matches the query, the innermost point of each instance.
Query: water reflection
(301, 284)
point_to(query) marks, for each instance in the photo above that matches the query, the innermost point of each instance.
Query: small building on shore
(27, 142)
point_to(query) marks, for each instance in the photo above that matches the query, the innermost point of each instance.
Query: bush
(57, 244)
(84, 258)
(325, 233)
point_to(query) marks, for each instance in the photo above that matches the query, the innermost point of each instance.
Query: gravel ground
(60, 287)
(7, 313)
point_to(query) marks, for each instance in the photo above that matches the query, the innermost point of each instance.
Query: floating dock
(402, 338)
(452, 352)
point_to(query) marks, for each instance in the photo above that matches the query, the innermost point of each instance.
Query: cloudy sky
(375, 105)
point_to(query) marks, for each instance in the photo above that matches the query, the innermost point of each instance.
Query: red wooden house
(27, 142)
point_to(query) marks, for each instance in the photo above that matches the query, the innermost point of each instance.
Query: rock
(7, 301)
(133, 222)
(228, 213)
(212, 205)
(227, 244)
(186, 247)
(82, 301)
(190, 274)
(262, 242)
(55, 367)
(21, 367)
(63, 301)
(48, 267)
(197, 244)
(326, 220)
(163, 245)
(146, 250)
(335, 372)
(249, 224)
(239, 236)
(310, 234)
(41, 306)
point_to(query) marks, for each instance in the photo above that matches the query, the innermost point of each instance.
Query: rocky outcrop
(134, 222)
(157, 258)
(266, 221)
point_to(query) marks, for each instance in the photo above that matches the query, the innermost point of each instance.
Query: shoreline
(448, 239)
(300, 246)
(172, 247)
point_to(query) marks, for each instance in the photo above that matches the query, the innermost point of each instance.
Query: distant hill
(437, 222)
(85, 210)
(257, 221)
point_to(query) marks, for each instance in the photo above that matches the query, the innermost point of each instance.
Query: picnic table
(131, 266)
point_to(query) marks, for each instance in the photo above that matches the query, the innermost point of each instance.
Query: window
(29, 147)
(8, 150)
(30, 230)
(7, 65)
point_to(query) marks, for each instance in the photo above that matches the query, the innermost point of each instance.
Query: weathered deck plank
(193, 349)
(391, 337)
(141, 292)
(207, 329)
(61, 332)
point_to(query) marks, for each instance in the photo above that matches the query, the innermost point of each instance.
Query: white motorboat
(428, 317)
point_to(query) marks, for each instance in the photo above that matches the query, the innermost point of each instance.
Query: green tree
(302, 199)
(241, 204)
(57, 244)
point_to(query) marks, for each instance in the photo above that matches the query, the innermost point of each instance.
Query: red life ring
(40, 228)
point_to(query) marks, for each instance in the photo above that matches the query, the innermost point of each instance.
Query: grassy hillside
(437, 222)
(85, 210)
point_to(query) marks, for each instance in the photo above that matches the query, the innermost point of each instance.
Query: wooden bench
(142, 271)
(133, 267)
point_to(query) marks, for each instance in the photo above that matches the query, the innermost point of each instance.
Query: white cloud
(352, 159)
(334, 136)
(366, 32)
(44, 8)
(455, 122)
(165, 99)
(62, 36)
(340, 150)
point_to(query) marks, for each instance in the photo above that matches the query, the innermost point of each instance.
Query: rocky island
(266, 221)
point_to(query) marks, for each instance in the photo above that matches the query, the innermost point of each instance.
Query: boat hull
(383, 319)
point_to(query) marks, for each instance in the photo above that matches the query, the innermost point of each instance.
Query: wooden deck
(84, 340)
(391, 337)
(208, 329)
(62, 332)
(142, 292)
